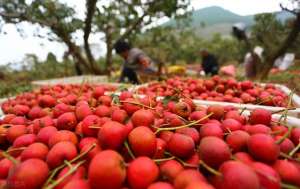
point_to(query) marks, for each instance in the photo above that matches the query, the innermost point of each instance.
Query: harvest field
(177, 94)
(85, 135)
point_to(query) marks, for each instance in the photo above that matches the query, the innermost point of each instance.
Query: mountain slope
(214, 15)
(211, 20)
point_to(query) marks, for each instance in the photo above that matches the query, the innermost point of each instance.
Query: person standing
(209, 63)
(135, 61)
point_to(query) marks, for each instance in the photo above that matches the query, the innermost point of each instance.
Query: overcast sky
(13, 47)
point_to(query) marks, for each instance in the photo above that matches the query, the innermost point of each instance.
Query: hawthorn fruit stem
(129, 150)
(288, 186)
(210, 169)
(54, 171)
(288, 157)
(181, 161)
(285, 136)
(182, 126)
(283, 110)
(16, 149)
(137, 103)
(70, 171)
(9, 157)
(295, 150)
(164, 159)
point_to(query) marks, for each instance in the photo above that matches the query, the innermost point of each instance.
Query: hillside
(211, 20)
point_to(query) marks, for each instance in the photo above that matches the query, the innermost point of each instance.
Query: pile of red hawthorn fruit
(75, 137)
(218, 89)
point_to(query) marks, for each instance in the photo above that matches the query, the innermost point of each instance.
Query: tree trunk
(109, 49)
(270, 60)
(75, 51)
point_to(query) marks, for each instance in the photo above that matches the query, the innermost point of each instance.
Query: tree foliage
(116, 19)
(276, 37)
(169, 45)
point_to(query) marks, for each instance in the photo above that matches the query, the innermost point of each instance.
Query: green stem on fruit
(285, 113)
(163, 159)
(182, 126)
(285, 136)
(275, 132)
(70, 171)
(210, 169)
(15, 149)
(284, 155)
(54, 171)
(68, 164)
(94, 127)
(283, 110)
(129, 150)
(288, 186)
(137, 103)
(295, 150)
(242, 111)
(181, 161)
(9, 157)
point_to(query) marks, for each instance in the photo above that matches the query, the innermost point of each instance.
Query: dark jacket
(210, 64)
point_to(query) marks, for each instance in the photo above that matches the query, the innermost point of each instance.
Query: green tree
(116, 19)
(276, 37)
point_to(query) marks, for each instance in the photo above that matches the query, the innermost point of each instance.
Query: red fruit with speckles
(216, 111)
(237, 140)
(35, 150)
(47, 101)
(182, 109)
(5, 166)
(160, 185)
(216, 155)
(199, 185)
(191, 132)
(295, 136)
(231, 125)
(82, 111)
(77, 184)
(60, 152)
(238, 175)
(170, 169)
(107, 170)
(181, 145)
(112, 135)
(142, 141)
(211, 129)
(24, 140)
(260, 116)
(78, 174)
(98, 91)
(15, 131)
(103, 111)
(36, 112)
(263, 148)
(287, 171)
(62, 135)
(268, 177)
(60, 109)
(66, 121)
(119, 116)
(31, 173)
(45, 134)
(186, 177)
(142, 118)
(89, 122)
(142, 172)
